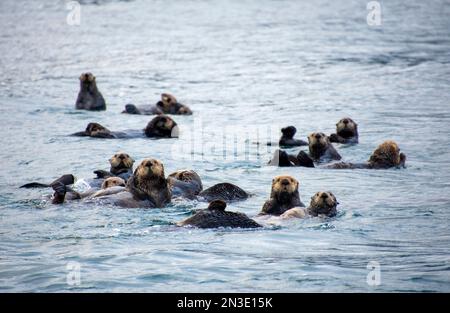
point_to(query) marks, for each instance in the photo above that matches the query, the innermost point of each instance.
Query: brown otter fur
(162, 126)
(185, 183)
(89, 98)
(121, 166)
(322, 203)
(215, 216)
(386, 155)
(96, 130)
(346, 131)
(170, 105)
(148, 183)
(284, 195)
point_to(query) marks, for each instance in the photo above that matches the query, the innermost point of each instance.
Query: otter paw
(304, 159)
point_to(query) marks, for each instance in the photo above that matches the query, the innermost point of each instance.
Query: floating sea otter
(320, 150)
(167, 105)
(322, 204)
(346, 131)
(89, 98)
(386, 155)
(161, 126)
(284, 195)
(215, 216)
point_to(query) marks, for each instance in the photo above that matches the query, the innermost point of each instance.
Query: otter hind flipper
(303, 159)
(67, 179)
(225, 192)
(103, 174)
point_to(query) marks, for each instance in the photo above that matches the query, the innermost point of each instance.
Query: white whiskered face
(150, 167)
(318, 139)
(324, 199)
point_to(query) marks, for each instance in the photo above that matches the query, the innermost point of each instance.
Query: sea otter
(386, 155)
(320, 150)
(67, 179)
(322, 204)
(346, 131)
(161, 126)
(121, 166)
(215, 216)
(185, 183)
(167, 105)
(89, 98)
(284, 195)
(147, 188)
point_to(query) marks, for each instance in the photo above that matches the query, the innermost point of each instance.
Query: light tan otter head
(347, 128)
(112, 182)
(387, 155)
(323, 203)
(149, 168)
(185, 175)
(284, 188)
(121, 160)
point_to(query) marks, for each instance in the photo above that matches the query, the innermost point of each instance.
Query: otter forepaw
(304, 159)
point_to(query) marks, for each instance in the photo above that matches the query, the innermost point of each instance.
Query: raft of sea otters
(147, 186)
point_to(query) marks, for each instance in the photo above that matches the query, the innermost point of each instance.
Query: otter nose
(121, 157)
(318, 136)
(345, 121)
(285, 182)
(324, 196)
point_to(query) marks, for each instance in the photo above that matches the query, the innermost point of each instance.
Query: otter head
(120, 161)
(185, 175)
(387, 155)
(347, 128)
(289, 132)
(323, 203)
(284, 188)
(318, 144)
(162, 126)
(94, 129)
(87, 80)
(167, 101)
(112, 182)
(149, 168)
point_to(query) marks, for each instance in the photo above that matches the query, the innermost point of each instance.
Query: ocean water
(246, 69)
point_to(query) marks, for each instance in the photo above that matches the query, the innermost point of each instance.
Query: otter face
(112, 182)
(149, 168)
(87, 78)
(185, 175)
(283, 187)
(168, 100)
(387, 155)
(94, 128)
(346, 128)
(121, 160)
(318, 140)
(289, 132)
(323, 203)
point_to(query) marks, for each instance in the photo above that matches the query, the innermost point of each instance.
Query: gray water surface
(246, 68)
